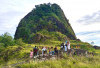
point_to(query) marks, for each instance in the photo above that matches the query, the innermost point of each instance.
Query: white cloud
(90, 36)
(90, 25)
(90, 19)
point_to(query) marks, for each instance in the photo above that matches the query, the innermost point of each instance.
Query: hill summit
(45, 22)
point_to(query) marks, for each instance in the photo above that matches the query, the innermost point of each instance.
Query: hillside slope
(42, 22)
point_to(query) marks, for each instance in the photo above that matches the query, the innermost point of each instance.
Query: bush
(7, 40)
(19, 42)
(1, 46)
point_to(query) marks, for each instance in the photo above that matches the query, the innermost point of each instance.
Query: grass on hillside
(68, 62)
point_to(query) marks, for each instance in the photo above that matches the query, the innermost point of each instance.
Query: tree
(7, 40)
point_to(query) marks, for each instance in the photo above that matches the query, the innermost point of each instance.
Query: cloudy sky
(83, 15)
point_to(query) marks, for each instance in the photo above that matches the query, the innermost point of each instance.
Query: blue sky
(83, 15)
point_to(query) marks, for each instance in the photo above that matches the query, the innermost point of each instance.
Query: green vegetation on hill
(17, 51)
(7, 40)
(46, 25)
(48, 17)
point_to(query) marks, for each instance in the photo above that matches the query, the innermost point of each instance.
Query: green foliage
(69, 62)
(16, 54)
(57, 36)
(6, 40)
(45, 16)
(2, 47)
(31, 38)
(24, 33)
(82, 45)
(19, 42)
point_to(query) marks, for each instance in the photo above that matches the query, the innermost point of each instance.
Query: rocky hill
(45, 21)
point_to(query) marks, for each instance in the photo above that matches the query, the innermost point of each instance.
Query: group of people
(36, 51)
(65, 46)
(52, 51)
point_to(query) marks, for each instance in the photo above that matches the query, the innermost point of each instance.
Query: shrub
(19, 42)
(7, 40)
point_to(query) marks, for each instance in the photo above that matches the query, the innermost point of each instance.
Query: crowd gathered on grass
(49, 50)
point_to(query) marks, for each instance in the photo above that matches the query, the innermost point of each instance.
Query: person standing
(35, 51)
(56, 51)
(44, 50)
(65, 47)
(31, 54)
(62, 47)
(68, 45)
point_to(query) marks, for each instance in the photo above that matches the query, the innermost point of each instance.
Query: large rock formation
(47, 21)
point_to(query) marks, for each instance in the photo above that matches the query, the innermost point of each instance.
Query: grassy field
(67, 62)
(16, 54)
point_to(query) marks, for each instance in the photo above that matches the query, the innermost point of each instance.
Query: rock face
(46, 19)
